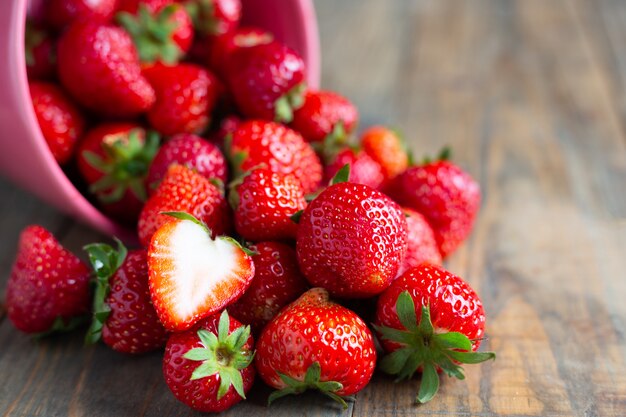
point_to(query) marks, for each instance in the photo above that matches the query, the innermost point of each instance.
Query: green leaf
(282, 110)
(429, 385)
(336, 398)
(279, 394)
(198, 354)
(343, 175)
(225, 382)
(395, 335)
(181, 215)
(61, 325)
(471, 357)
(406, 311)
(223, 326)
(204, 370)
(235, 380)
(444, 154)
(426, 326)
(453, 340)
(208, 339)
(329, 386)
(295, 217)
(313, 373)
(394, 362)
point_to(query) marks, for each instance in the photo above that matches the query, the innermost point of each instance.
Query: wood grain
(531, 95)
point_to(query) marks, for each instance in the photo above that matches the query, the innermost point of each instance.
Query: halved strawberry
(192, 275)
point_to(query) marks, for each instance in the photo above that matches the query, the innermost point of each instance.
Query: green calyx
(125, 166)
(202, 13)
(311, 381)
(61, 325)
(422, 347)
(223, 354)
(445, 154)
(153, 34)
(105, 261)
(333, 143)
(343, 175)
(285, 105)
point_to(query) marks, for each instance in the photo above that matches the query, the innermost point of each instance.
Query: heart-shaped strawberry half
(192, 275)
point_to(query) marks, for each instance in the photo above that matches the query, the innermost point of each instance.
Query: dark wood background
(530, 93)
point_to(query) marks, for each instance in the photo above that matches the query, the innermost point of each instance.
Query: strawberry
(430, 319)
(267, 81)
(280, 149)
(133, 6)
(59, 120)
(277, 282)
(215, 17)
(40, 53)
(351, 240)
(186, 95)
(314, 343)
(363, 169)
(61, 13)
(182, 189)
(325, 113)
(114, 159)
(386, 147)
(193, 275)
(48, 289)
(446, 195)
(215, 51)
(162, 32)
(191, 151)
(123, 314)
(99, 66)
(209, 367)
(421, 246)
(264, 203)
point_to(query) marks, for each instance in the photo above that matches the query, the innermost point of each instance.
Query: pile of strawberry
(254, 205)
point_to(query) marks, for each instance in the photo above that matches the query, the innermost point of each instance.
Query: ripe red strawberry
(264, 203)
(182, 189)
(123, 314)
(61, 13)
(215, 51)
(40, 53)
(215, 17)
(314, 343)
(99, 66)
(430, 319)
(387, 148)
(193, 275)
(446, 195)
(351, 240)
(191, 151)
(114, 159)
(325, 113)
(48, 289)
(162, 32)
(280, 149)
(363, 169)
(267, 81)
(132, 6)
(186, 95)
(277, 282)
(60, 121)
(209, 367)
(421, 246)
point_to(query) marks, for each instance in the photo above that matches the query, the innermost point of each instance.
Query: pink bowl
(24, 154)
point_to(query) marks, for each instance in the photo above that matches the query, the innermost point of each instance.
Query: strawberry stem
(423, 347)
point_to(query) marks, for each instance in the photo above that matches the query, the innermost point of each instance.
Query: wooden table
(531, 95)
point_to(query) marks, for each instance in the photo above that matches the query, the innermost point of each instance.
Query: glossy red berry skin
(320, 114)
(454, 305)
(200, 394)
(61, 13)
(46, 282)
(256, 143)
(99, 66)
(60, 121)
(422, 246)
(185, 97)
(259, 75)
(184, 190)
(446, 195)
(191, 151)
(351, 240)
(314, 329)
(277, 282)
(363, 169)
(132, 326)
(267, 200)
(387, 148)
